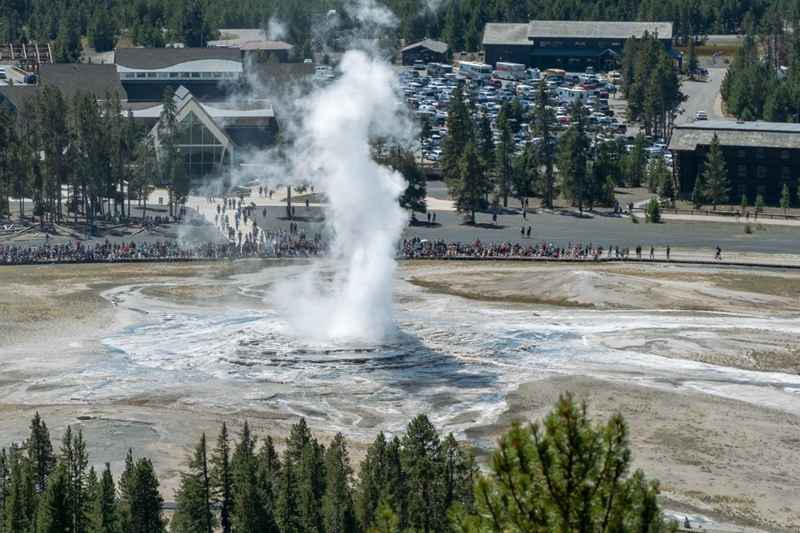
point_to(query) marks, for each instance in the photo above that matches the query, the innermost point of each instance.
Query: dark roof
(71, 78)
(594, 29)
(155, 58)
(435, 46)
(730, 133)
(501, 33)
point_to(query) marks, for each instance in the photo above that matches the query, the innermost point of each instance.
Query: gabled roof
(185, 104)
(501, 33)
(594, 29)
(435, 46)
(730, 133)
(72, 78)
(157, 58)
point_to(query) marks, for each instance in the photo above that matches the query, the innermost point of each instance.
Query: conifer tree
(193, 499)
(55, 513)
(543, 129)
(222, 478)
(760, 204)
(505, 157)
(715, 174)
(422, 462)
(249, 513)
(40, 452)
(337, 501)
(104, 513)
(573, 158)
(125, 488)
(75, 461)
(786, 198)
(698, 191)
(288, 515)
(470, 188)
(145, 500)
(565, 474)
(20, 503)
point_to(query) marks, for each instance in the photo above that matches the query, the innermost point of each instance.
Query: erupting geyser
(363, 210)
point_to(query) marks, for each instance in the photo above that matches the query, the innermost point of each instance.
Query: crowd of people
(275, 244)
(423, 248)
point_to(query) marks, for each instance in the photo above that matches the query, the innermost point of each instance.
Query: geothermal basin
(702, 362)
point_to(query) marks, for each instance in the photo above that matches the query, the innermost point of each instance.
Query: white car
(701, 115)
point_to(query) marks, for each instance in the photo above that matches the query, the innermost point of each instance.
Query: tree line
(755, 88)
(81, 156)
(567, 473)
(459, 22)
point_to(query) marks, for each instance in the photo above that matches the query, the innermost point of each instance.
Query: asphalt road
(702, 96)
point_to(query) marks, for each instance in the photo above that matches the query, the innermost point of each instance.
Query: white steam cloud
(276, 29)
(363, 211)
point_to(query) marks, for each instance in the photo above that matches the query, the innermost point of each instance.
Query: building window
(152, 74)
(760, 153)
(741, 170)
(174, 75)
(195, 74)
(140, 74)
(784, 154)
(761, 172)
(616, 44)
(579, 44)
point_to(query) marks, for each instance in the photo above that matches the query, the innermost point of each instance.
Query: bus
(439, 70)
(510, 71)
(475, 71)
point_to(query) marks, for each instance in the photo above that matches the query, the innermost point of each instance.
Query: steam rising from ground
(363, 211)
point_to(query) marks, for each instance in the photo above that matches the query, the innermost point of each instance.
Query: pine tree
(715, 174)
(698, 192)
(786, 198)
(505, 156)
(422, 462)
(193, 28)
(55, 512)
(193, 499)
(104, 513)
(269, 472)
(691, 62)
(125, 492)
(573, 151)
(471, 187)
(145, 500)
(760, 204)
(222, 478)
(565, 474)
(249, 513)
(337, 502)
(543, 129)
(101, 31)
(20, 503)
(372, 484)
(68, 43)
(75, 461)
(40, 452)
(743, 204)
(459, 133)
(288, 515)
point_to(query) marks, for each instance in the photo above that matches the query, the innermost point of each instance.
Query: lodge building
(568, 45)
(220, 116)
(760, 157)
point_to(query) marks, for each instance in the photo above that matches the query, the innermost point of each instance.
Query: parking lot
(428, 88)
